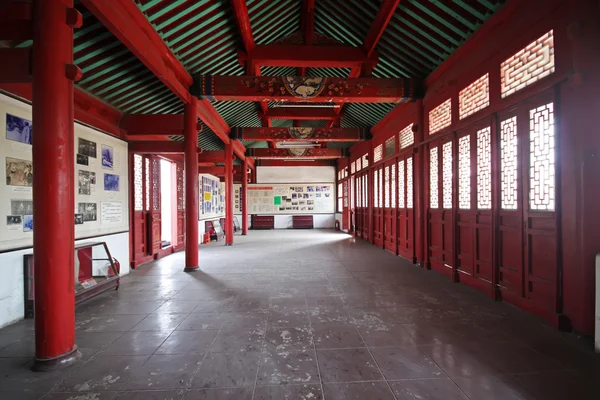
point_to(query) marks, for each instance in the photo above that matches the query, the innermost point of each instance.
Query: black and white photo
(86, 147)
(84, 182)
(21, 207)
(88, 210)
(18, 129)
(14, 222)
(82, 159)
(78, 219)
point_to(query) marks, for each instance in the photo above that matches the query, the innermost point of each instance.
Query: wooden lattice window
(474, 97)
(340, 200)
(156, 184)
(147, 184)
(180, 188)
(365, 161)
(464, 172)
(376, 188)
(390, 146)
(409, 182)
(380, 204)
(393, 186)
(401, 184)
(386, 187)
(484, 169)
(353, 167)
(358, 165)
(447, 175)
(440, 117)
(542, 159)
(365, 186)
(527, 66)
(508, 164)
(433, 178)
(378, 153)
(407, 137)
(138, 183)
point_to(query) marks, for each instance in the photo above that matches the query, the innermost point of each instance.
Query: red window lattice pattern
(147, 184)
(381, 188)
(508, 164)
(353, 167)
(340, 204)
(447, 175)
(138, 183)
(433, 178)
(529, 65)
(345, 194)
(401, 185)
(156, 184)
(484, 169)
(474, 97)
(407, 137)
(393, 186)
(366, 189)
(542, 162)
(376, 189)
(358, 166)
(464, 172)
(409, 182)
(365, 161)
(378, 153)
(386, 187)
(390, 146)
(440, 117)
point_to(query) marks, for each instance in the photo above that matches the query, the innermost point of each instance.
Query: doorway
(167, 200)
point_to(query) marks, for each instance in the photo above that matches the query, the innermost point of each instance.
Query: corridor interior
(301, 315)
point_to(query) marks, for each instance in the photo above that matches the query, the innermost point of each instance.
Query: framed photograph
(78, 219)
(27, 223)
(82, 159)
(111, 182)
(310, 188)
(89, 211)
(92, 178)
(86, 147)
(107, 157)
(19, 172)
(18, 129)
(84, 182)
(21, 207)
(14, 222)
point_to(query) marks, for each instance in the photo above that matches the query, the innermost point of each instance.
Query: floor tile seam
(315, 350)
(189, 385)
(377, 365)
(260, 356)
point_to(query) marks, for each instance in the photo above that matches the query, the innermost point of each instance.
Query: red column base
(191, 269)
(228, 244)
(244, 234)
(60, 362)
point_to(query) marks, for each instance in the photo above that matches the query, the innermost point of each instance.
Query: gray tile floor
(302, 315)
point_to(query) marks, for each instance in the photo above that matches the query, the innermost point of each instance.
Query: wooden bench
(302, 222)
(263, 222)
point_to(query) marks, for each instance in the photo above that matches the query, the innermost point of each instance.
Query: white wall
(295, 174)
(115, 233)
(299, 174)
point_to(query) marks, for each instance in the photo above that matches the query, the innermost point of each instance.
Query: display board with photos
(290, 198)
(100, 175)
(212, 196)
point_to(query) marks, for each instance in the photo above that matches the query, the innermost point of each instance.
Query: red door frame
(389, 206)
(405, 215)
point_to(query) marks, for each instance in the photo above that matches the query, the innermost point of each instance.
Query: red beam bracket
(73, 72)
(74, 18)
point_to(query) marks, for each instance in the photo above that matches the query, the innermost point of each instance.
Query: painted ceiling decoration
(205, 38)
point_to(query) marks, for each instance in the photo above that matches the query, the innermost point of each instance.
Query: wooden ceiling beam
(285, 135)
(341, 90)
(300, 113)
(286, 154)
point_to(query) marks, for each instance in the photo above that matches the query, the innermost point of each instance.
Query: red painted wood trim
(17, 65)
(385, 13)
(300, 113)
(283, 134)
(156, 147)
(282, 154)
(160, 124)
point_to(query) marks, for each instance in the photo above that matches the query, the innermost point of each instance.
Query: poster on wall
(86, 148)
(288, 199)
(27, 223)
(83, 183)
(107, 157)
(19, 172)
(111, 182)
(18, 129)
(14, 222)
(88, 211)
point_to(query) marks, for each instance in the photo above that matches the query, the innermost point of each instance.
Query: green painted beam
(192, 6)
(109, 59)
(89, 55)
(438, 18)
(92, 41)
(165, 10)
(471, 10)
(424, 33)
(433, 27)
(128, 76)
(440, 4)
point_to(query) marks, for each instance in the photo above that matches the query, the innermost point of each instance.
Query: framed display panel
(291, 198)
(96, 271)
(211, 196)
(100, 179)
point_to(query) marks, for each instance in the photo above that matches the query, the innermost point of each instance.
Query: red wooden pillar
(229, 193)
(191, 185)
(53, 186)
(244, 203)
(420, 202)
